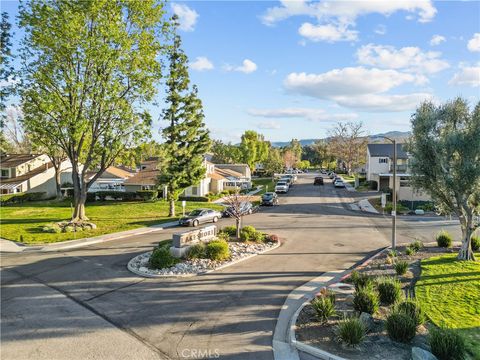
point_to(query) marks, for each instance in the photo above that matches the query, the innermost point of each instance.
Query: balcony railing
(400, 168)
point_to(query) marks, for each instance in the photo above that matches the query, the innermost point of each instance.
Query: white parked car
(339, 184)
(282, 187)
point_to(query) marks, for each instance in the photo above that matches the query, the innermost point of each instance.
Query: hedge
(21, 197)
(194, 198)
(147, 194)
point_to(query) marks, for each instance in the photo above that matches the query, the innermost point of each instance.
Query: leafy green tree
(348, 144)
(89, 66)
(186, 138)
(254, 148)
(274, 162)
(225, 153)
(7, 73)
(445, 148)
(296, 149)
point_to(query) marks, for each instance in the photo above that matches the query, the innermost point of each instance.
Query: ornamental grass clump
(401, 327)
(412, 309)
(444, 239)
(401, 267)
(351, 331)
(447, 344)
(389, 290)
(324, 308)
(360, 280)
(161, 258)
(366, 299)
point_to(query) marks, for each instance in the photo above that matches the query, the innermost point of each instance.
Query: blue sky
(293, 69)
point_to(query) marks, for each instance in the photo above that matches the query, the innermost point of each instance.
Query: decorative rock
(349, 299)
(420, 354)
(367, 320)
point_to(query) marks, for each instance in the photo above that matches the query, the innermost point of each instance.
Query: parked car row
(202, 216)
(285, 182)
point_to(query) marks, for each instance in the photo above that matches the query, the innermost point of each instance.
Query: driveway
(84, 303)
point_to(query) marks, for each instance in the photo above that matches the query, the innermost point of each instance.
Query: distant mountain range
(397, 135)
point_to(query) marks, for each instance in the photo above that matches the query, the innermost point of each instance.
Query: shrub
(21, 197)
(360, 280)
(258, 236)
(366, 300)
(409, 251)
(401, 267)
(401, 327)
(161, 258)
(351, 331)
(197, 251)
(247, 233)
(417, 245)
(147, 195)
(230, 230)
(475, 241)
(446, 344)
(372, 184)
(324, 308)
(52, 228)
(393, 253)
(412, 309)
(217, 250)
(444, 239)
(389, 290)
(223, 236)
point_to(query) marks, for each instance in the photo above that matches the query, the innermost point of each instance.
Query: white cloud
(307, 113)
(474, 43)
(328, 33)
(383, 103)
(348, 81)
(408, 58)
(380, 29)
(202, 63)
(468, 75)
(247, 67)
(437, 40)
(347, 11)
(337, 18)
(268, 125)
(358, 88)
(187, 17)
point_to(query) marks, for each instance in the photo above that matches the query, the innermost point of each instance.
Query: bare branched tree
(236, 208)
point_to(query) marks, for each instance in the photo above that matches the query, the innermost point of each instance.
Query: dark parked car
(245, 208)
(269, 199)
(318, 180)
(200, 216)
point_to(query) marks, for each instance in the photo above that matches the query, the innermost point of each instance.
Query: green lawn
(24, 222)
(266, 182)
(449, 292)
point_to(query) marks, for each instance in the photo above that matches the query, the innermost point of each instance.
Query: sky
(293, 69)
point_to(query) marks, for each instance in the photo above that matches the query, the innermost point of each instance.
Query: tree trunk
(58, 183)
(171, 211)
(79, 206)
(466, 252)
(238, 225)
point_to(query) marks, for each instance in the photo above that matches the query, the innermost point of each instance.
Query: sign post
(384, 201)
(184, 203)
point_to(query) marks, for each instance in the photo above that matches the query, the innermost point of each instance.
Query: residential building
(112, 179)
(145, 178)
(379, 168)
(31, 173)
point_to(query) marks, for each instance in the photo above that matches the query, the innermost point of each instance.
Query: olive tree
(445, 149)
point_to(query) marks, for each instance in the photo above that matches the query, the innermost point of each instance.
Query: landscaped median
(404, 304)
(25, 222)
(221, 250)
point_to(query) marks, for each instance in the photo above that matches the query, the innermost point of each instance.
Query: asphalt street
(85, 304)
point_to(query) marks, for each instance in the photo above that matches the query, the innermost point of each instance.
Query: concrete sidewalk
(12, 246)
(365, 205)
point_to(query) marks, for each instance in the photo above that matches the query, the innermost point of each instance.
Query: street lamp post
(394, 194)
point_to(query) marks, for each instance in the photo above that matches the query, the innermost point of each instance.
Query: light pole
(394, 194)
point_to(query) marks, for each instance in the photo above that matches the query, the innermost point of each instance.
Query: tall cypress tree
(186, 138)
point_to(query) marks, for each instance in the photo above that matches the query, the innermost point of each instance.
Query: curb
(70, 244)
(131, 269)
(285, 345)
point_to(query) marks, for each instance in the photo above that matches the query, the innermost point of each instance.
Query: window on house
(194, 190)
(404, 181)
(5, 173)
(383, 161)
(146, 187)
